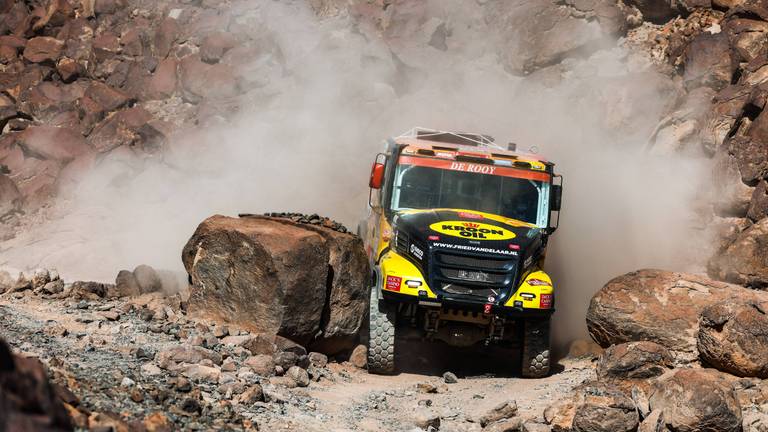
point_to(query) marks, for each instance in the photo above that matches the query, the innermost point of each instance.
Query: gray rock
(450, 378)
(298, 375)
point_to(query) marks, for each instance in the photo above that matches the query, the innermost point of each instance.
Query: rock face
(278, 277)
(745, 260)
(545, 32)
(658, 306)
(593, 407)
(733, 337)
(27, 400)
(696, 400)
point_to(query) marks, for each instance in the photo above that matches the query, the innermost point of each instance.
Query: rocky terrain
(265, 332)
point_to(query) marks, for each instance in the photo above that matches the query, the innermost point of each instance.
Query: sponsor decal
(473, 168)
(472, 230)
(545, 301)
(415, 251)
(475, 249)
(393, 283)
(537, 282)
(467, 215)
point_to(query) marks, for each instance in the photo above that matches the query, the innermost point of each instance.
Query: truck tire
(381, 336)
(536, 352)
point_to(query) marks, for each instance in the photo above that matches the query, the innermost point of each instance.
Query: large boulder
(28, 401)
(696, 400)
(595, 407)
(659, 306)
(733, 337)
(275, 276)
(745, 260)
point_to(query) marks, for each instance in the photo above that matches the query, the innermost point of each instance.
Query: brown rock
(507, 425)
(696, 400)
(186, 354)
(501, 411)
(200, 80)
(126, 284)
(750, 156)
(163, 81)
(43, 49)
(281, 269)
(251, 395)
(660, 306)
(215, 45)
(165, 36)
(157, 422)
(653, 423)
(14, 42)
(106, 45)
(148, 279)
(47, 100)
(747, 37)
(122, 128)
(707, 61)
(260, 344)
(634, 360)
(727, 107)
(298, 375)
(108, 98)
(131, 42)
(733, 337)
(359, 357)
(745, 261)
(758, 205)
(261, 364)
(28, 400)
(47, 142)
(594, 407)
(7, 54)
(68, 69)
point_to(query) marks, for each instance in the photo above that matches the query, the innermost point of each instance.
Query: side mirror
(556, 197)
(377, 176)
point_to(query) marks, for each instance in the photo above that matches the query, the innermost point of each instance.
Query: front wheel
(536, 350)
(381, 336)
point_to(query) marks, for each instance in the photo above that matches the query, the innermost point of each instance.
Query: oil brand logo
(472, 230)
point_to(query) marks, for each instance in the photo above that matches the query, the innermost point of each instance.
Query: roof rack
(460, 138)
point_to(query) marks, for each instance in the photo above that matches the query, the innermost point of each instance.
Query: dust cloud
(307, 140)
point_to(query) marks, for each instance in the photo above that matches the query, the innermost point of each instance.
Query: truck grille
(472, 277)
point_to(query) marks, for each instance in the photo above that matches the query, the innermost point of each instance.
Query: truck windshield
(425, 187)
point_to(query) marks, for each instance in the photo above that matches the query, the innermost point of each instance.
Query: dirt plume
(304, 138)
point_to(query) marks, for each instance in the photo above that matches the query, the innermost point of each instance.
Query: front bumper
(398, 278)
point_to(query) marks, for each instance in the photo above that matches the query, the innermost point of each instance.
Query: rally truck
(456, 236)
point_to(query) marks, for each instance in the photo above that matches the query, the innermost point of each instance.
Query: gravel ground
(110, 356)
